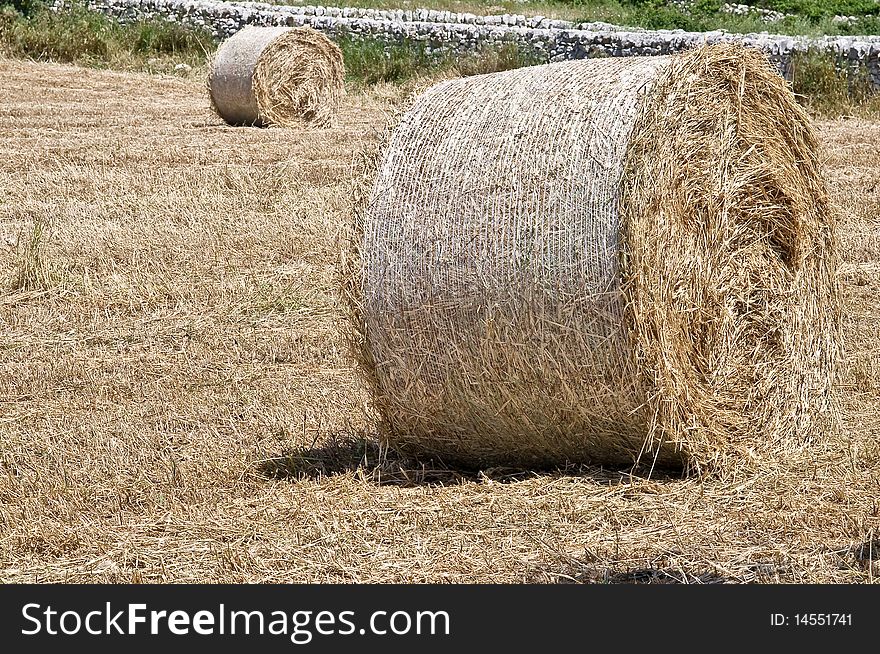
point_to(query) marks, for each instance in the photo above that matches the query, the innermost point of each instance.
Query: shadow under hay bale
(277, 76)
(600, 261)
(640, 576)
(363, 457)
(366, 458)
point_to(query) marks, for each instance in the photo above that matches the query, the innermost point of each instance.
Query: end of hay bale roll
(277, 76)
(729, 260)
(600, 261)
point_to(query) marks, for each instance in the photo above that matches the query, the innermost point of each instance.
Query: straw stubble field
(177, 404)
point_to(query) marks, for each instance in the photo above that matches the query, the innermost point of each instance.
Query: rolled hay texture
(600, 261)
(277, 76)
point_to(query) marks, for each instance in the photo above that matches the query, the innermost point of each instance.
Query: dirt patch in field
(176, 403)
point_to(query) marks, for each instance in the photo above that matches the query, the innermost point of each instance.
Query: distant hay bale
(277, 76)
(600, 261)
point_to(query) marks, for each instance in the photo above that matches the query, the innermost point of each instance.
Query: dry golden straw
(605, 260)
(277, 76)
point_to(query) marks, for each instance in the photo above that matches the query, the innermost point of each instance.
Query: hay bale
(277, 76)
(599, 261)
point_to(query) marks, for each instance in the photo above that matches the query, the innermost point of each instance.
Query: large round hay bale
(277, 76)
(601, 261)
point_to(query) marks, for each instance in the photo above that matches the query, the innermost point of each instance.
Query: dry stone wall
(444, 31)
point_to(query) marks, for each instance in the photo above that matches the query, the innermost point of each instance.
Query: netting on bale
(278, 76)
(600, 261)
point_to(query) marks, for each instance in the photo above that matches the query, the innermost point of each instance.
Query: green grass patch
(370, 62)
(493, 60)
(89, 38)
(808, 17)
(827, 90)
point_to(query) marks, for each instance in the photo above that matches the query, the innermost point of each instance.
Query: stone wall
(439, 31)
